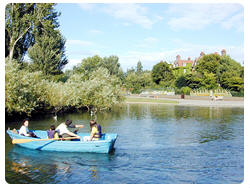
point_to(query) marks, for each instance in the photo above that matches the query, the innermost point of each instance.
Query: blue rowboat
(104, 145)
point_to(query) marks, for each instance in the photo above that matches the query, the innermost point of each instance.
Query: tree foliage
(91, 64)
(27, 92)
(138, 81)
(23, 90)
(47, 54)
(208, 64)
(221, 70)
(162, 73)
(18, 29)
(34, 26)
(139, 67)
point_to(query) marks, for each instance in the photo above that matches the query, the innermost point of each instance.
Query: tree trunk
(12, 47)
(11, 53)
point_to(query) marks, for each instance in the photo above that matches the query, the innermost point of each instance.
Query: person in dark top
(52, 133)
(63, 131)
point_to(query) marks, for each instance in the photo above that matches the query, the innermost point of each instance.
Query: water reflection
(142, 111)
(50, 167)
(156, 144)
(219, 131)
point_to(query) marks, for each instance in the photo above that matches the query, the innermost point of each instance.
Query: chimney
(178, 57)
(189, 59)
(223, 52)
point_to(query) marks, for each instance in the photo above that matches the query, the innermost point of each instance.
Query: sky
(151, 32)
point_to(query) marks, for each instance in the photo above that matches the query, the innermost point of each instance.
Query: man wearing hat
(63, 131)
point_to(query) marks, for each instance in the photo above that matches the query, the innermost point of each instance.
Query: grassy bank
(149, 100)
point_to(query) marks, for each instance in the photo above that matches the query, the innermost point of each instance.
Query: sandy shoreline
(205, 103)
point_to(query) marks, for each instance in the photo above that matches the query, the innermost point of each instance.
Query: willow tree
(35, 26)
(18, 29)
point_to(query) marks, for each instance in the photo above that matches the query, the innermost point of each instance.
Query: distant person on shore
(24, 131)
(63, 131)
(52, 133)
(96, 131)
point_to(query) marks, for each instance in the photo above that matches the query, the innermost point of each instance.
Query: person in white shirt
(24, 131)
(63, 131)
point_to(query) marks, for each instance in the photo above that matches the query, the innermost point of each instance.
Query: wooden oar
(20, 141)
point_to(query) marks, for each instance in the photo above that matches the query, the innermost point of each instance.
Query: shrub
(27, 92)
(23, 90)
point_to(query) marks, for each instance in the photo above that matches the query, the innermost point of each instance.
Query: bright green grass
(129, 99)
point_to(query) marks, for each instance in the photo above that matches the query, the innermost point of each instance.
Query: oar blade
(20, 141)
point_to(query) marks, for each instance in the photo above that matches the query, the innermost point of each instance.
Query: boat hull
(104, 145)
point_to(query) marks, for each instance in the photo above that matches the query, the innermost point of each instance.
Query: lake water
(156, 144)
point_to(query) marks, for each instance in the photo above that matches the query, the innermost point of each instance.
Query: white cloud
(151, 40)
(128, 13)
(133, 13)
(198, 16)
(193, 50)
(72, 63)
(86, 6)
(186, 50)
(147, 42)
(95, 31)
(148, 59)
(235, 21)
(79, 42)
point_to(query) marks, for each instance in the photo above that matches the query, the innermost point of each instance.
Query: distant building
(196, 59)
(223, 52)
(188, 63)
(182, 63)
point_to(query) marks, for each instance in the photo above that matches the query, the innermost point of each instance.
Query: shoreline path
(200, 102)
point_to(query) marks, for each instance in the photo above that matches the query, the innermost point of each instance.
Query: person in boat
(52, 133)
(63, 130)
(96, 131)
(24, 131)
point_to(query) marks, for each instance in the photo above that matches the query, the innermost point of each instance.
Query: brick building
(191, 63)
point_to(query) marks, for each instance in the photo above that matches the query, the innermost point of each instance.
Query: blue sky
(151, 32)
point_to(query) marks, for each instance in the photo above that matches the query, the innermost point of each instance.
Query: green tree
(220, 71)
(232, 82)
(139, 67)
(24, 91)
(230, 74)
(209, 81)
(91, 64)
(34, 25)
(208, 63)
(112, 64)
(99, 92)
(18, 29)
(181, 81)
(138, 82)
(48, 54)
(162, 72)
(194, 80)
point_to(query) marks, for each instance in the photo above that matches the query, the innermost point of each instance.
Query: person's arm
(74, 135)
(93, 132)
(79, 126)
